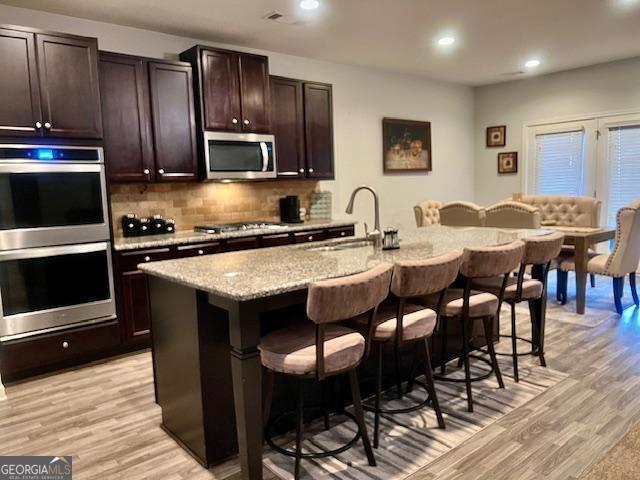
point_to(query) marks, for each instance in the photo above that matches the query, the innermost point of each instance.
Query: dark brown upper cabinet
(49, 85)
(149, 119)
(173, 119)
(126, 114)
(302, 121)
(232, 89)
(287, 120)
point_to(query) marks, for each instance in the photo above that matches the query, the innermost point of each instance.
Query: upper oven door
(246, 156)
(44, 288)
(51, 204)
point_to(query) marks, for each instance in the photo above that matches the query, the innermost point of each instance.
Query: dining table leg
(246, 372)
(581, 260)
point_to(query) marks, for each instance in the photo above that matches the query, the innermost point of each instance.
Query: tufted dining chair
(621, 262)
(323, 348)
(427, 213)
(462, 214)
(512, 215)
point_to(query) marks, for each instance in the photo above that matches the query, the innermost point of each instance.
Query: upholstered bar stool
(539, 251)
(462, 214)
(327, 349)
(412, 324)
(469, 305)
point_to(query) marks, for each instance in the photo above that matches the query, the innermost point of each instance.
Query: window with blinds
(623, 159)
(560, 163)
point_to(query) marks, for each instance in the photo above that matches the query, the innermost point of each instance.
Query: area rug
(411, 441)
(621, 462)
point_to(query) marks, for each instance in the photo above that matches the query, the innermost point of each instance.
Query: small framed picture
(508, 162)
(497, 136)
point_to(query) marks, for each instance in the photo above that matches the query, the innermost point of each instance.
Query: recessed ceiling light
(309, 4)
(533, 63)
(446, 41)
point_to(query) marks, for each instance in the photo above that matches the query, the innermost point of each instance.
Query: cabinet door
(19, 90)
(318, 125)
(220, 91)
(287, 126)
(126, 118)
(254, 92)
(69, 90)
(136, 308)
(173, 122)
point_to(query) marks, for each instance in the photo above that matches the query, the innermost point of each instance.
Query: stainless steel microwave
(239, 156)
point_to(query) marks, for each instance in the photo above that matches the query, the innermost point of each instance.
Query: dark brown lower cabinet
(135, 305)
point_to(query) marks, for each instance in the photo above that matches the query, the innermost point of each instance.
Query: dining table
(582, 239)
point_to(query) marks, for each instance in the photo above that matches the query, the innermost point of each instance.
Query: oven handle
(53, 251)
(50, 168)
(265, 156)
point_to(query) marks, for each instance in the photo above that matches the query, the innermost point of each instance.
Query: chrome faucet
(376, 234)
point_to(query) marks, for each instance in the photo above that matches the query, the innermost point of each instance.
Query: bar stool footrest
(508, 354)
(392, 411)
(479, 378)
(323, 454)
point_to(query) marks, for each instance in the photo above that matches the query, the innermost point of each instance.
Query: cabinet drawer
(199, 249)
(130, 260)
(310, 236)
(234, 244)
(341, 232)
(57, 347)
(276, 240)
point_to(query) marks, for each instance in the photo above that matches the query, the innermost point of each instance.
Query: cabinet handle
(311, 170)
(246, 122)
(65, 344)
(200, 252)
(342, 234)
(310, 238)
(47, 125)
(147, 258)
(161, 171)
(38, 124)
(301, 170)
(146, 171)
(234, 120)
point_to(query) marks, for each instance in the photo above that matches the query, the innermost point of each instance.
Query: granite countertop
(186, 237)
(252, 274)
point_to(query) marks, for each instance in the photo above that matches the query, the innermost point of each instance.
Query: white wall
(608, 87)
(362, 97)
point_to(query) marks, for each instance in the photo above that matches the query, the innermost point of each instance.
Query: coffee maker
(290, 209)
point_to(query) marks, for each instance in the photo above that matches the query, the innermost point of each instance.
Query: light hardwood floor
(105, 416)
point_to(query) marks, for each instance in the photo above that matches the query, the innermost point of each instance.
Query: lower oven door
(51, 287)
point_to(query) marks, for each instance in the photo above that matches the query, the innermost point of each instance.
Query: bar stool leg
(443, 347)
(268, 399)
(376, 422)
(414, 368)
(396, 360)
(299, 420)
(465, 357)
(357, 406)
(514, 348)
(488, 333)
(428, 375)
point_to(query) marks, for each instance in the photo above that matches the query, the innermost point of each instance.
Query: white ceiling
(494, 37)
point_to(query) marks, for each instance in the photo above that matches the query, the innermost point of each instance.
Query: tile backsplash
(197, 203)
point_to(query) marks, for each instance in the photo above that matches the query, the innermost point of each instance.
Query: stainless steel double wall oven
(55, 252)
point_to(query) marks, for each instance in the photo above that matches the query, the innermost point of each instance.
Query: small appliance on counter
(290, 209)
(132, 226)
(390, 241)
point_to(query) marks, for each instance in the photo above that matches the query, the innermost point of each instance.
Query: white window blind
(623, 158)
(560, 163)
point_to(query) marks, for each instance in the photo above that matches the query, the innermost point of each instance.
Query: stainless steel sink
(342, 246)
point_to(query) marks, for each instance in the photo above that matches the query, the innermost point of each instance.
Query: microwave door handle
(265, 156)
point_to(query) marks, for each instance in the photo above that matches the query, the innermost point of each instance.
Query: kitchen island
(208, 314)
